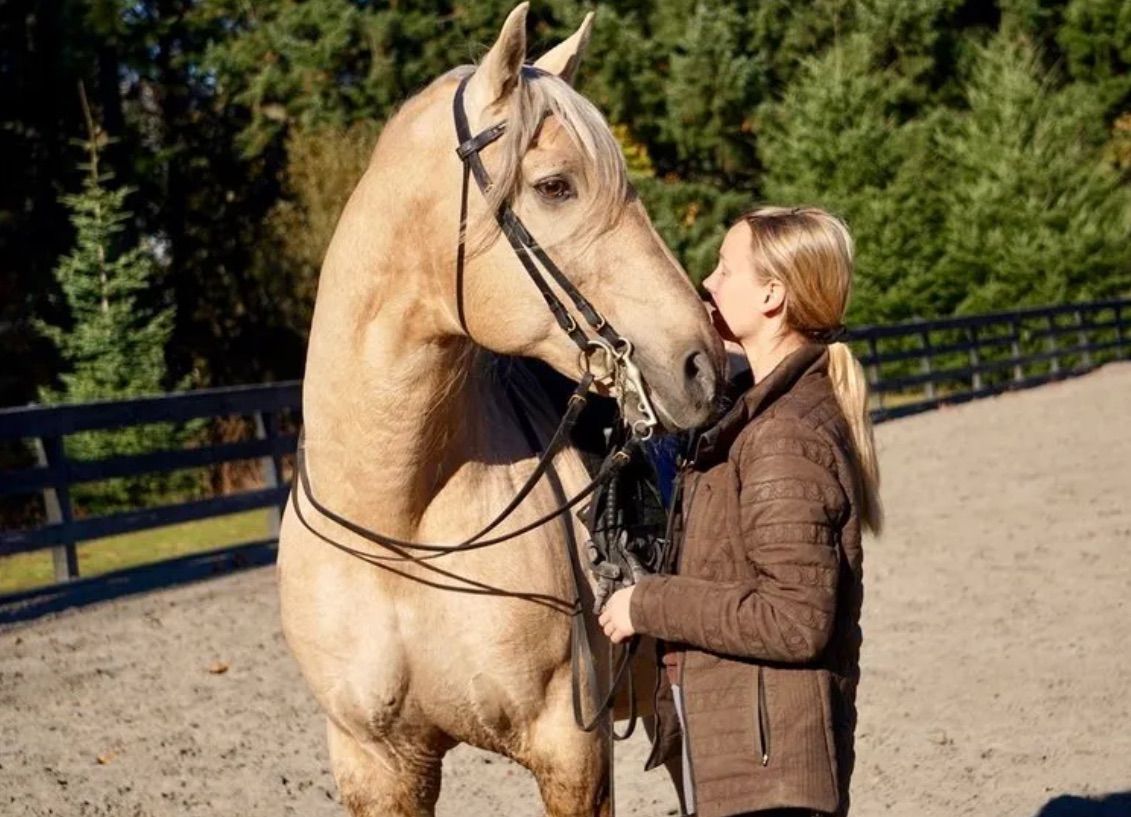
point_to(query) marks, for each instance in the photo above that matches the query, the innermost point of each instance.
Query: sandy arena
(995, 666)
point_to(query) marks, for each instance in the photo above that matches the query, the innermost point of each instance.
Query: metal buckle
(649, 429)
(644, 427)
(608, 361)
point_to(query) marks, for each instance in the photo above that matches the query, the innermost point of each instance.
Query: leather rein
(605, 358)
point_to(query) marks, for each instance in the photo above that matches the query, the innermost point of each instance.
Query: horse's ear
(564, 58)
(498, 74)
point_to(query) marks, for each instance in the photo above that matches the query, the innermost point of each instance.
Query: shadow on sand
(1067, 805)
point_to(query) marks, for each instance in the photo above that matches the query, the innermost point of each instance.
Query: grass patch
(27, 570)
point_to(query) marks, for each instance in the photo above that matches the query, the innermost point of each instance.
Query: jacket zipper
(686, 723)
(676, 510)
(763, 719)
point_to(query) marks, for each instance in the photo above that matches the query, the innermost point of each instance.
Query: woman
(760, 625)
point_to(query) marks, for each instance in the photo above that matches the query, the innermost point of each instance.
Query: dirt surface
(995, 669)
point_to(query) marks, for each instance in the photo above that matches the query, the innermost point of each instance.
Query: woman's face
(735, 288)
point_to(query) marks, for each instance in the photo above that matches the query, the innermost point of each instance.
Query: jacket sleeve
(791, 508)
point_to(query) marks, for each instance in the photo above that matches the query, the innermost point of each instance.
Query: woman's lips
(718, 322)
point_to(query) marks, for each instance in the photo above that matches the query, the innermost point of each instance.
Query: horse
(411, 429)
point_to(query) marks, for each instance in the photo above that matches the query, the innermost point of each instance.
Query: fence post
(1119, 330)
(269, 467)
(1053, 347)
(1015, 349)
(1082, 338)
(57, 503)
(975, 358)
(874, 371)
(925, 363)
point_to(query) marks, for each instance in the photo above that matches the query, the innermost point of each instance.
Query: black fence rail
(920, 365)
(911, 367)
(46, 428)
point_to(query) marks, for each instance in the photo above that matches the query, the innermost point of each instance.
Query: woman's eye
(554, 189)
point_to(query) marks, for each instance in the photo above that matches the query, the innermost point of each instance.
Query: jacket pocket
(762, 719)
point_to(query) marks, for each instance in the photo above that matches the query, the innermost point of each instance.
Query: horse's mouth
(668, 423)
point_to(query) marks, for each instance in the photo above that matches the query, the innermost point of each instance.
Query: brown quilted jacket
(764, 610)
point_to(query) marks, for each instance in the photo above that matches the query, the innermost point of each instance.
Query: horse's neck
(387, 429)
(396, 414)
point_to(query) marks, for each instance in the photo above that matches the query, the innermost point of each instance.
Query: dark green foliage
(1033, 214)
(111, 345)
(1096, 42)
(836, 140)
(979, 150)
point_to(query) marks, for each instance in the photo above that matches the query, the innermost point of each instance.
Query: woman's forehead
(736, 243)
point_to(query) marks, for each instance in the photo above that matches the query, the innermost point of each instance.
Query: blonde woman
(760, 625)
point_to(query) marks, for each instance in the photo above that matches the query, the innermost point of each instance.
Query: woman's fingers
(610, 628)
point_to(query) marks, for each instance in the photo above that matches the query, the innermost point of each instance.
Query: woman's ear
(773, 297)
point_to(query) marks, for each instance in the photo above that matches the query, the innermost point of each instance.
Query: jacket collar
(714, 443)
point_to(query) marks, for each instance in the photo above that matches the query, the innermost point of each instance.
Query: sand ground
(995, 668)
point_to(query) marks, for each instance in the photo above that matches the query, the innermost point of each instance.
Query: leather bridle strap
(526, 248)
(581, 648)
(576, 403)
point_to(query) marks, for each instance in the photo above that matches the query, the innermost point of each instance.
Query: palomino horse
(409, 432)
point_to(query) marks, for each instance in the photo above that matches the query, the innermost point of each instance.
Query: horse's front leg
(571, 766)
(377, 778)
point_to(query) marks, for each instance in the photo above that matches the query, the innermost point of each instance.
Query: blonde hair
(810, 252)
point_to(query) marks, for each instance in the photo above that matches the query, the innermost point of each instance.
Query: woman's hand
(614, 619)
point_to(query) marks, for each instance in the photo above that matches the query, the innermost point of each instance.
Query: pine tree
(1096, 40)
(712, 94)
(114, 347)
(1033, 213)
(835, 141)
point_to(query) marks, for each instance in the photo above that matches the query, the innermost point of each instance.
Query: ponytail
(851, 389)
(810, 251)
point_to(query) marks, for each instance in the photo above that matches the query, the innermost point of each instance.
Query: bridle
(605, 358)
(610, 348)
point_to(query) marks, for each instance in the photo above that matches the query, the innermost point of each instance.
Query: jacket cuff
(644, 608)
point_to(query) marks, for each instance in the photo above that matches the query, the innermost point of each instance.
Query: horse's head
(561, 170)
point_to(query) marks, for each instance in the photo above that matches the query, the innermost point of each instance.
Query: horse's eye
(554, 188)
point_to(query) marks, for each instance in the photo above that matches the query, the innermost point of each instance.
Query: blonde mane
(539, 95)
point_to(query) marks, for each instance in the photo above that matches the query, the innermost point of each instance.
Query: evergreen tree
(1096, 40)
(323, 166)
(112, 348)
(1033, 214)
(835, 141)
(712, 94)
(857, 104)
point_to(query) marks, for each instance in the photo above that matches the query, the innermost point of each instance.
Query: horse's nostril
(699, 376)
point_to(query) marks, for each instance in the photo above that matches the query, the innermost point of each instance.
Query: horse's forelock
(535, 98)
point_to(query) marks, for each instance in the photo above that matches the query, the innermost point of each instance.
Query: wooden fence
(921, 365)
(46, 428)
(912, 367)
